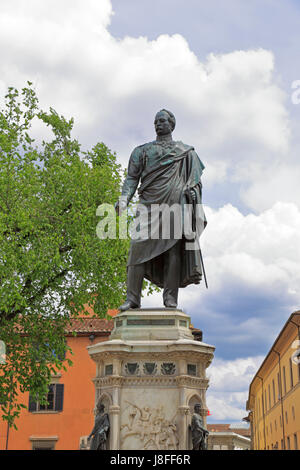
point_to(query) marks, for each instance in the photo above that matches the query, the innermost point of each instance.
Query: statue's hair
(171, 118)
(198, 404)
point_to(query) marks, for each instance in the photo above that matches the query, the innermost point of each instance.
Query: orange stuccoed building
(69, 413)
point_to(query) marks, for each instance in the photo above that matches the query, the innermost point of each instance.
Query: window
(284, 380)
(288, 443)
(108, 369)
(274, 396)
(266, 405)
(278, 383)
(282, 446)
(291, 373)
(269, 390)
(295, 442)
(54, 400)
(286, 417)
(191, 369)
(40, 443)
(293, 412)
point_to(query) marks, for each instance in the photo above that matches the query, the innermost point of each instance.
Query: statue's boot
(170, 304)
(170, 297)
(172, 267)
(135, 276)
(127, 305)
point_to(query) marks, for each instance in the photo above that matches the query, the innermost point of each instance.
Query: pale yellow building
(274, 393)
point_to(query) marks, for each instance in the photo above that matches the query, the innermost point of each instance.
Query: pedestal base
(150, 373)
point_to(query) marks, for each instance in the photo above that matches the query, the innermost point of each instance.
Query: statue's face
(197, 409)
(162, 124)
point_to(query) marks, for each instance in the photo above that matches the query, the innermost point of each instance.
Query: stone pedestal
(150, 373)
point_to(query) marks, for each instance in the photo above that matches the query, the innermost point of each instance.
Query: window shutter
(59, 397)
(32, 403)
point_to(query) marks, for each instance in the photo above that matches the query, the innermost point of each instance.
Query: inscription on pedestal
(150, 322)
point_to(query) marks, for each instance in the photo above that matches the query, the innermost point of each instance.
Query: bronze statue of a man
(100, 430)
(199, 432)
(169, 173)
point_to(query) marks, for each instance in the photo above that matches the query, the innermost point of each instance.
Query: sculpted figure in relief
(151, 427)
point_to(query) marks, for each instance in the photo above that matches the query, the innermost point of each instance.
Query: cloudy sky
(229, 72)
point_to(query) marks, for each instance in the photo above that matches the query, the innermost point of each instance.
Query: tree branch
(41, 292)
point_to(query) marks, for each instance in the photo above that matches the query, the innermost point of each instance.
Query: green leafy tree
(51, 260)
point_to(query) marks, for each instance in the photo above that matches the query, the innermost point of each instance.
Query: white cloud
(280, 182)
(259, 250)
(228, 390)
(233, 376)
(228, 106)
(222, 410)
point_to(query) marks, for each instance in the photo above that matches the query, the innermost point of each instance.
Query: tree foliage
(51, 260)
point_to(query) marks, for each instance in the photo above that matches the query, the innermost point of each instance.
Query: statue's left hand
(193, 194)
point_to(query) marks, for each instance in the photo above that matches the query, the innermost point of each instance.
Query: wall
(76, 419)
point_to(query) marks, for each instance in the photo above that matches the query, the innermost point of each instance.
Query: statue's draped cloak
(198, 431)
(165, 171)
(101, 425)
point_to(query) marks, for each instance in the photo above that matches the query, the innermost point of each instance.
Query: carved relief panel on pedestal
(150, 427)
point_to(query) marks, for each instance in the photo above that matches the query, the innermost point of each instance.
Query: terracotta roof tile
(229, 428)
(218, 427)
(242, 431)
(90, 325)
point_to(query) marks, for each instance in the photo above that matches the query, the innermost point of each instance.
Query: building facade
(68, 418)
(227, 437)
(274, 393)
(71, 398)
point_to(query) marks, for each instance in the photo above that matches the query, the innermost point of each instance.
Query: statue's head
(164, 122)
(100, 408)
(197, 408)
